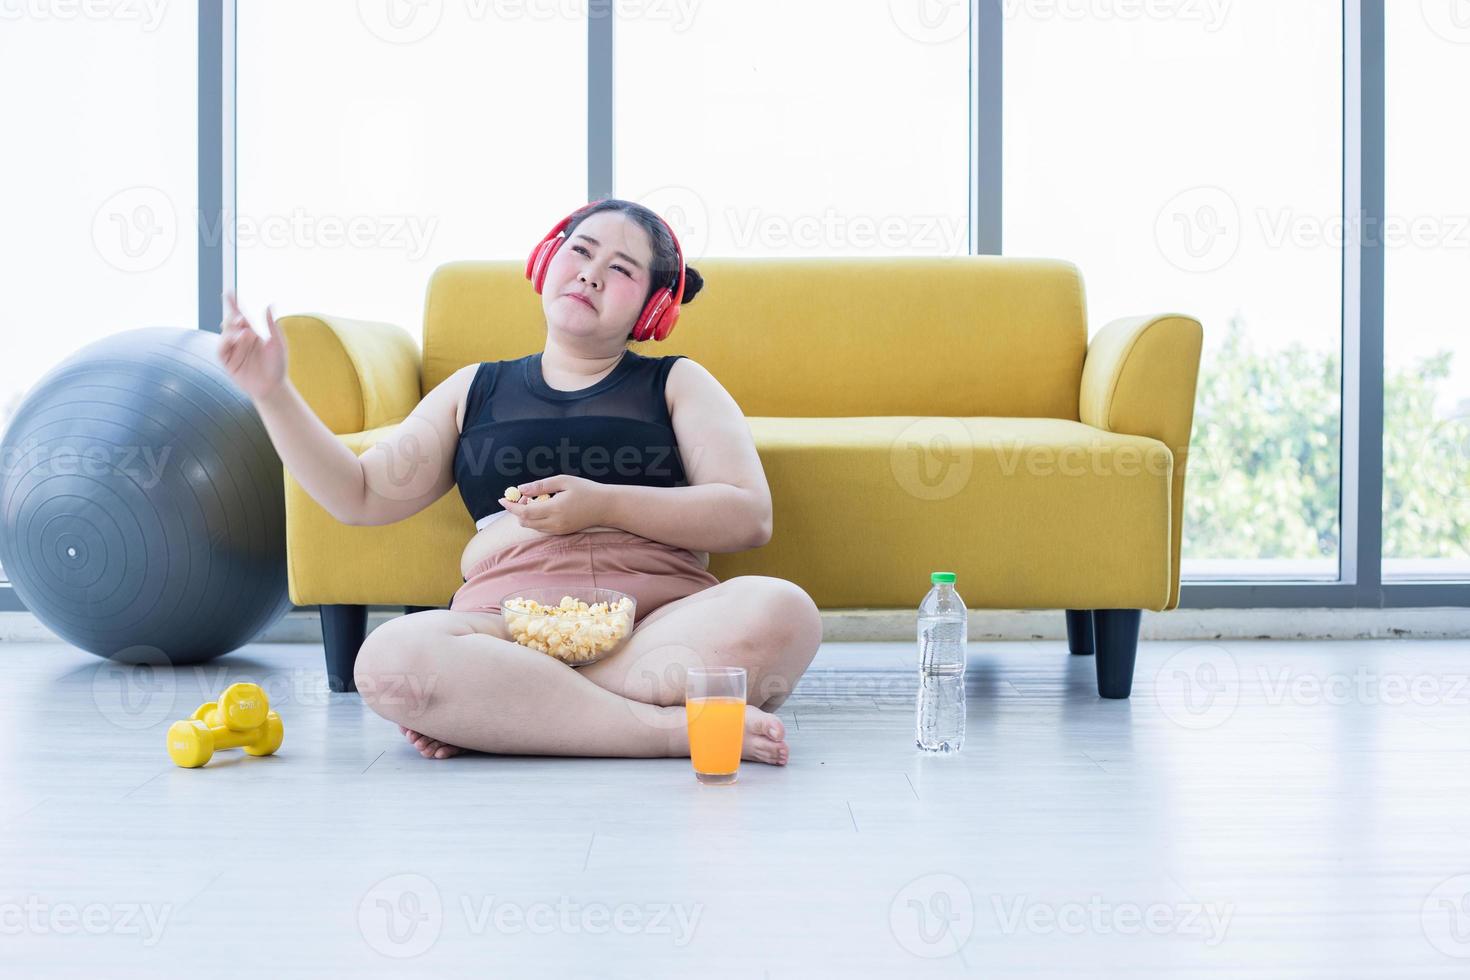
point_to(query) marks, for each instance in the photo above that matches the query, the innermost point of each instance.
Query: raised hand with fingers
(257, 366)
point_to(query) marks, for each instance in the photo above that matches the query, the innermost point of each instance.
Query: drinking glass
(714, 705)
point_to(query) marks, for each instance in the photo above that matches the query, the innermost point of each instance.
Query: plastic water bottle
(943, 630)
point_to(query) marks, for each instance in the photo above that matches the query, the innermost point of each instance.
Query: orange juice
(716, 733)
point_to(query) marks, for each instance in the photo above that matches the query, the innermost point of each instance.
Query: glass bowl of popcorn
(575, 625)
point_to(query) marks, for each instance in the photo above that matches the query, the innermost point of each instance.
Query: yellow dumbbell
(193, 742)
(240, 708)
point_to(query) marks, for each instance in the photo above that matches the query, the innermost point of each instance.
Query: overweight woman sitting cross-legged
(678, 478)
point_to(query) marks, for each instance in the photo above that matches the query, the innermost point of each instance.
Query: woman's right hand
(257, 366)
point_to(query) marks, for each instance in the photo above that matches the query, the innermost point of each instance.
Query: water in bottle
(943, 630)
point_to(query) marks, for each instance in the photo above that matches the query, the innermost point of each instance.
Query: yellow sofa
(912, 415)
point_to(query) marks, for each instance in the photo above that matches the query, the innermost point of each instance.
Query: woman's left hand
(575, 503)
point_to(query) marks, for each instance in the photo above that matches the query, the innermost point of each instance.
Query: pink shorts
(651, 572)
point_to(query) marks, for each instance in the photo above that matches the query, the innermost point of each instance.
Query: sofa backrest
(823, 337)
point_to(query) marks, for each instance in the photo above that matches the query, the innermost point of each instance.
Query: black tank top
(517, 428)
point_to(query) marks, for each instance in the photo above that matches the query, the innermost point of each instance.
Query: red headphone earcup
(540, 260)
(658, 317)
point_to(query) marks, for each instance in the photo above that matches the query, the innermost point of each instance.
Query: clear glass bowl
(583, 637)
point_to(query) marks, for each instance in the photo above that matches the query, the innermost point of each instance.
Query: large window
(100, 191)
(379, 140)
(1426, 244)
(1188, 157)
(824, 127)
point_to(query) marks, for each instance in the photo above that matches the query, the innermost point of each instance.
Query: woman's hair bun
(693, 283)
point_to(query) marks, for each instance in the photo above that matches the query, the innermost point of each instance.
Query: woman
(452, 678)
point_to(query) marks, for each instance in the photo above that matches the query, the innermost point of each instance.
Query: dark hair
(665, 271)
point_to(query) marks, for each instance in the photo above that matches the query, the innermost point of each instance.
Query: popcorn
(573, 631)
(513, 494)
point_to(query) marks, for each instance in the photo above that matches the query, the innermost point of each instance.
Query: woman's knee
(789, 641)
(789, 620)
(392, 671)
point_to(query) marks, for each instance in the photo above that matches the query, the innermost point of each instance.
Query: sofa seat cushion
(1029, 512)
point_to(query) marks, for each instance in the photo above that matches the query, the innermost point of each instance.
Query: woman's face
(607, 261)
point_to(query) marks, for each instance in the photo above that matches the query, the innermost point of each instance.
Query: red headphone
(659, 314)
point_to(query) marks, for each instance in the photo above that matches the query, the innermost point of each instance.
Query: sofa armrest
(410, 562)
(1139, 378)
(355, 374)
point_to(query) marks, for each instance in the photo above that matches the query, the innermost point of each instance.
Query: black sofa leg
(1115, 641)
(344, 627)
(1079, 632)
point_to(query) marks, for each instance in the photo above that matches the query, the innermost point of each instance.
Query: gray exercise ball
(142, 505)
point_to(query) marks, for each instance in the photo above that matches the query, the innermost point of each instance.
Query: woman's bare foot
(765, 738)
(429, 748)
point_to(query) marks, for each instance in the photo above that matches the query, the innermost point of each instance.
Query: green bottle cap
(941, 576)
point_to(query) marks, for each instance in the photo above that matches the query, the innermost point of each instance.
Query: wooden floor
(1256, 809)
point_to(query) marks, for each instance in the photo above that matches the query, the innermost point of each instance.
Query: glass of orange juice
(714, 704)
